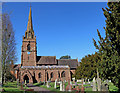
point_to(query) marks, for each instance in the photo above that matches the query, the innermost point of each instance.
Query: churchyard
(82, 85)
(74, 86)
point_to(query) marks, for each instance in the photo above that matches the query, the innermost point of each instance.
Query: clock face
(28, 52)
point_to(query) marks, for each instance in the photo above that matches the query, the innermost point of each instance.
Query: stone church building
(35, 68)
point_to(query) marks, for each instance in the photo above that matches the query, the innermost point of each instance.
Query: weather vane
(30, 5)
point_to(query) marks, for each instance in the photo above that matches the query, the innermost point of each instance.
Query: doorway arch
(26, 78)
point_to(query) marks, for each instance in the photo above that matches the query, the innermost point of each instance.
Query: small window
(28, 47)
(58, 74)
(28, 57)
(63, 74)
(26, 35)
(39, 75)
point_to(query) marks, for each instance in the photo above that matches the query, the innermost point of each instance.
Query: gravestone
(94, 84)
(73, 79)
(55, 84)
(99, 84)
(69, 86)
(25, 84)
(83, 81)
(44, 82)
(61, 86)
(17, 83)
(75, 83)
(88, 81)
(79, 80)
(104, 87)
(48, 84)
(70, 83)
(109, 80)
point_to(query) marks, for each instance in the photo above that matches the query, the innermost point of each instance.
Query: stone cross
(61, 86)
(99, 84)
(64, 85)
(94, 84)
(55, 83)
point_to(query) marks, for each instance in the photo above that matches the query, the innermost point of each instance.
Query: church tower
(29, 51)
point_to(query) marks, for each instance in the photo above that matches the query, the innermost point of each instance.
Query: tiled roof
(17, 66)
(72, 63)
(46, 60)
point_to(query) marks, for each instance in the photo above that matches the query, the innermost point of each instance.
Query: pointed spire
(29, 26)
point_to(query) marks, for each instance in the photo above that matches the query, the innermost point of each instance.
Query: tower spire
(29, 32)
(29, 26)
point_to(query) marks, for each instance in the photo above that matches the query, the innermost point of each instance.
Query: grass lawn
(12, 87)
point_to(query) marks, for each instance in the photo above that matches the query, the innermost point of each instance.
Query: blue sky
(61, 28)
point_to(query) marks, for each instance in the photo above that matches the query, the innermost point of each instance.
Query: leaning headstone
(48, 84)
(104, 87)
(99, 84)
(61, 86)
(55, 83)
(94, 84)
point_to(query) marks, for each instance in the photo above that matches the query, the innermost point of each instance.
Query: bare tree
(8, 45)
(0, 45)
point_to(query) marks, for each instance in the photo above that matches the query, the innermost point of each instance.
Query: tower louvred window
(29, 34)
(26, 34)
(28, 47)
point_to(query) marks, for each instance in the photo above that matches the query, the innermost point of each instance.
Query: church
(35, 68)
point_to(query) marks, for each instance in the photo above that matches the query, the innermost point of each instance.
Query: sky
(61, 28)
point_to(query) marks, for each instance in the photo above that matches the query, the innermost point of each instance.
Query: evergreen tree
(88, 66)
(65, 57)
(109, 47)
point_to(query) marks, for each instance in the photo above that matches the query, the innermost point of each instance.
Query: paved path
(36, 88)
(39, 89)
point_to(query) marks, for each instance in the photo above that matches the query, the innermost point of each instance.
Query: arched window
(58, 74)
(28, 47)
(39, 75)
(63, 74)
(29, 34)
(51, 75)
(26, 35)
